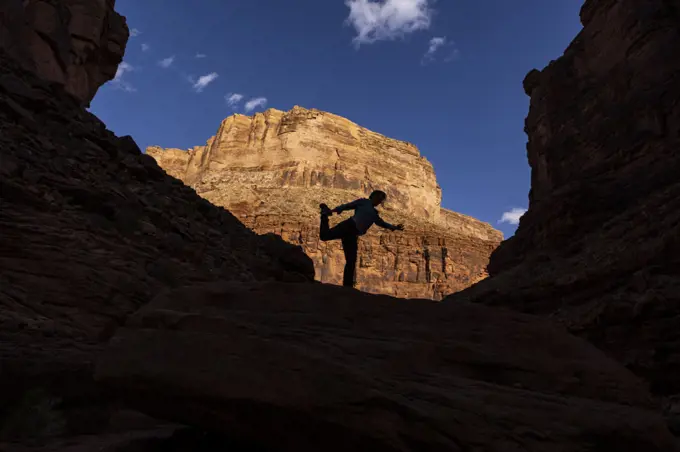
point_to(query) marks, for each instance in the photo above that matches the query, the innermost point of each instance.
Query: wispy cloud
(258, 102)
(203, 81)
(167, 62)
(512, 216)
(119, 82)
(233, 99)
(387, 19)
(440, 45)
(201, 55)
(134, 32)
(145, 47)
(453, 55)
(435, 44)
(122, 69)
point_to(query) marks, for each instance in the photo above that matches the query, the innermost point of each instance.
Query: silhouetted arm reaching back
(383, 224)
(349, 206)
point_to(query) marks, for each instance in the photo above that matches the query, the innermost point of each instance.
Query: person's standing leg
(350, 246)
(347, 232)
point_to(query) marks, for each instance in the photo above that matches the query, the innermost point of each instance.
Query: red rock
(76, 43)
(300, 367)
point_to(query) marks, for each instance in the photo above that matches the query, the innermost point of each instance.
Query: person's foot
(325, 210)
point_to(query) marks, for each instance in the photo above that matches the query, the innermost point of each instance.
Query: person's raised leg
(340, 230)
(350, 246)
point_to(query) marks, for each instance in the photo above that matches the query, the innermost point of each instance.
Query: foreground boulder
(599, 248)
(298, 367)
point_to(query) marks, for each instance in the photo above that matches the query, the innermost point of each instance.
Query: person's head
(378, 197)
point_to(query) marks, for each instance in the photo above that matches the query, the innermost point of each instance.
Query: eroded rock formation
(92, 229)
(309, 367)
(273, 169)
(76, 43)
(599, 248)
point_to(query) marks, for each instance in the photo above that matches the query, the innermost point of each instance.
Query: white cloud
(438, 45)
(203, 81)
(378, 20)
(252, 104)
(233, 99)
(145, 47)
(122, 69)
(201, 55)
(167, 62)
(512, 216)
(435, 44)
(118, 81)
(135, 32)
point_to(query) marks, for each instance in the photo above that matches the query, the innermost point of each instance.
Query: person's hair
(378, 193)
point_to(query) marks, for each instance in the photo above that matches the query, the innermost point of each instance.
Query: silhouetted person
(348, 231)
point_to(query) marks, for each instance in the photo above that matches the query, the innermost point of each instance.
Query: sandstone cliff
(273, 169)
(599, 248)
(76, 43)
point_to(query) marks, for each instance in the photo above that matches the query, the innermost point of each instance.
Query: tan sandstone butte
(273, 169)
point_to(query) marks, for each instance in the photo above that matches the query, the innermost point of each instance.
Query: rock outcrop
(599, 248)
(92, 229)
(273, 169)
(76, 43)
(308, 367)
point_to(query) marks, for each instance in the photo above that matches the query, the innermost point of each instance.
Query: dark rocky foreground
(293, 367)
(213, 327)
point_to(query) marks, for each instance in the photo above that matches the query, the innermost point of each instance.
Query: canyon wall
(273, 169)
(599, 248)
(75, 43)
(91, 229)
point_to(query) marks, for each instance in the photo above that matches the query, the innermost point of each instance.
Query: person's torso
(365, 215)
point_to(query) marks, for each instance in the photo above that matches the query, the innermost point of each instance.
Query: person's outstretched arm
(349, 206)
(384, 224)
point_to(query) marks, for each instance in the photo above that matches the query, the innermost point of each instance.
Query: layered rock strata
(273, 169)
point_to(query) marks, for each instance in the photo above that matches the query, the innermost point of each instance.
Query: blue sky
(445, 75)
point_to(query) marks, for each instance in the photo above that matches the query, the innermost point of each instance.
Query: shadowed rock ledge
(304, 367)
